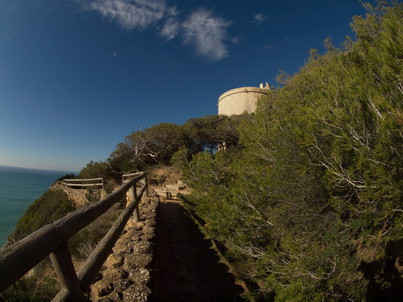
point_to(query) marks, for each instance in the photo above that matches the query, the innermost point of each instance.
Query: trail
(186, 268)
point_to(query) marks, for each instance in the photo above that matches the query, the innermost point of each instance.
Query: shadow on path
(186, 269)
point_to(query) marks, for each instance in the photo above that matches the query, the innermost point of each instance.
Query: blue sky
(77, 76)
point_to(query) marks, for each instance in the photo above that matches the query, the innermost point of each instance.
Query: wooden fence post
(134, 198)
(144, 181)
(66, 274)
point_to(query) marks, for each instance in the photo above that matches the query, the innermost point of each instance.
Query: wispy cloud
(170, 29)
(10, 9)
(134, 14)
(204, 31)
(289, 39)
(207, 33)
(259, 18)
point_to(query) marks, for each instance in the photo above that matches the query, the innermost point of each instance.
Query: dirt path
(186, 269)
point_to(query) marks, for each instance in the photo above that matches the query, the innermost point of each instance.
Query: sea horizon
(19, 188)
(40, 169)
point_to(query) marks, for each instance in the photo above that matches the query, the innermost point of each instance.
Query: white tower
(240, 100)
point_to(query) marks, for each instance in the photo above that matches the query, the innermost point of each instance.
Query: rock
(126, 275)
(140, 224)
(105, 289)
(115, 260)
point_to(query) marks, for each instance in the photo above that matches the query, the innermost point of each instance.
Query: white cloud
(259, 18)
(10, 9)
(207, 33)
(133, 14)
(170, 29)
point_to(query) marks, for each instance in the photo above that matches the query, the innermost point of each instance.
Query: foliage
(307, 199)
(93, 195)
(208, 132)
(311, 203)
(157, 144)
(95, 170)
(51, 206)
(153, 145)
(41, 285)
(83, 243)
(31, 289)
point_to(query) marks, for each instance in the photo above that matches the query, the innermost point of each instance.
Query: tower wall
(239, 100)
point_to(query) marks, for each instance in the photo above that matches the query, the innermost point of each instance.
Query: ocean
(19, 188)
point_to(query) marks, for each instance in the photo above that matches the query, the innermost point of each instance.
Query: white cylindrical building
(240, 100)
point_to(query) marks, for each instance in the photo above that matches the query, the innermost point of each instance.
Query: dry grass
(163, 175)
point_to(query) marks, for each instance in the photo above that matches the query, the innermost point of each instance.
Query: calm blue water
(19, 187)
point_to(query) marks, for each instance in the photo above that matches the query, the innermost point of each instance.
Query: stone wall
(79, 196)
(125, 275)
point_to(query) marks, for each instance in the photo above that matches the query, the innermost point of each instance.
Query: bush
(311, 202)
(51, 206)
(157, 144)
(82, 243)
(31, 289)
(95, 170)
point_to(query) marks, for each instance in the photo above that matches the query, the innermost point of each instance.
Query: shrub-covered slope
(311, 207)
(51, 206)
(307, 197)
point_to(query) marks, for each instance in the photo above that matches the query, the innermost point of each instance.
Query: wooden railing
(84, 183)
(18, 259)
(127, 176)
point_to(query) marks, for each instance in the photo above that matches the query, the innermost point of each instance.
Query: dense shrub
(31, 289)
(51, 206)
(311, 207)
(95, 170)
(82, 244)
(157, 144)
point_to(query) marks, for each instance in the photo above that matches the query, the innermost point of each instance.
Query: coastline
(19, 188)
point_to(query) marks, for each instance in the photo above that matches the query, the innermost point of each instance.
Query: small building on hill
(240, 100)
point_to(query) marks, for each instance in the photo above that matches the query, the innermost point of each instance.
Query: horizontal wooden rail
(18, 259)
(82, 179)
(127, 176)
(82, 183)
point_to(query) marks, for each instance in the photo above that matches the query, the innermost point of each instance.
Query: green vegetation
(307, 196)
(31, 289)
(310, 207)
(39, 285)
(50, 207)
(95, 170)
(83, 243)
(156, 145)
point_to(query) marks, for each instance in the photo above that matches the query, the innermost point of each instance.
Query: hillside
(309, 204)
(306, 200)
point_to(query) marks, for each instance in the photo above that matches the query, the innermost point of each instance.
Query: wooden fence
(84, 183)
(127, 176)
(18, 259)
